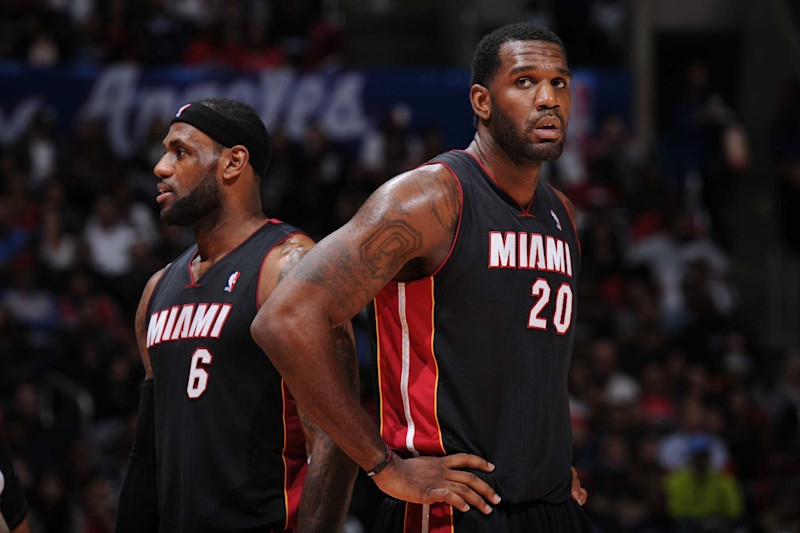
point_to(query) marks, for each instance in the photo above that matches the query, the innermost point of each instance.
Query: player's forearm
(327, 489)
(329, 480)
(137, 507)
(300, 345)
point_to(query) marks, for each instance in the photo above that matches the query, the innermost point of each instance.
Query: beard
(199, 203)
(515, 143)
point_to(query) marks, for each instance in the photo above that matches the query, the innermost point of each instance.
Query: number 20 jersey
(230, 450)
(475, 357)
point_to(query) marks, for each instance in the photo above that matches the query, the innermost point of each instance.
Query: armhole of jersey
(155, 288)
(569, 214)
(264, 260)
(460, 216)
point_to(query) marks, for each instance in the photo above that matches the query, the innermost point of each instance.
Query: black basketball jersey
(13, 505)
(474, 358)
(230, 449)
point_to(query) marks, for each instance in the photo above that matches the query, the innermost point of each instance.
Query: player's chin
(549, 150)
(165, 215)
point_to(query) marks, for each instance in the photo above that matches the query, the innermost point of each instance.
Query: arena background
(683, 161)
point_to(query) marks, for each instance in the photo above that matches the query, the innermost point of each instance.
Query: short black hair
(244, 116)
(486, 59)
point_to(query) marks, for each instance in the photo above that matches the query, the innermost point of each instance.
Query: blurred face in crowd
(187, 174)
(530, 100)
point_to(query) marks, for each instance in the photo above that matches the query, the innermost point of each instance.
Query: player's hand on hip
(438, 479)
(578, 494)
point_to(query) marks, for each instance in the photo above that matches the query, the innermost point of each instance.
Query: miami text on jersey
(529, 250)
(187, 322)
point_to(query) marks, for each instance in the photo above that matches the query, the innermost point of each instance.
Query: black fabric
(225, 132)
(504, 321)
(565, 517)
(503, 383)
(144, 442)
(222, 412)
(137, 509)
(13, 505)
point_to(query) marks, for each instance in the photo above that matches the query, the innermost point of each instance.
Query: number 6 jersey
(474, 358)
(230, 450)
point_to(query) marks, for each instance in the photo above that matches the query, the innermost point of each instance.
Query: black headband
(225, 131)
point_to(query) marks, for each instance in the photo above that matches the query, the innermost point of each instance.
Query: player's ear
(481, 101)
(235, 163)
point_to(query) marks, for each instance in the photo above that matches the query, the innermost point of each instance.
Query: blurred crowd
(683, 419)
(242, 33)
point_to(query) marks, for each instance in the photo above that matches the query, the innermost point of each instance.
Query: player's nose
(162, 169)
(545, 96)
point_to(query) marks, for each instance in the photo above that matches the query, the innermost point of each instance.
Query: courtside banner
(346, 103)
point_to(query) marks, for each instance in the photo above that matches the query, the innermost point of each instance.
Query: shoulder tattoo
(291, 252)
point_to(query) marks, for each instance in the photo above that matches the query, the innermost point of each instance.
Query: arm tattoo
(389, 239)
(389, 247)
(444, 199)
(291, 253)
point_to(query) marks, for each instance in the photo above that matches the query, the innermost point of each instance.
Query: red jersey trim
(428, 518)
(460, 215)
(408, 374)
(194, 283)
(523, 209)
(293, 456)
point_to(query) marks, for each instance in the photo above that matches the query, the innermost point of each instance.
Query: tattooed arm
(329, 479)
(331, 473)
(403, 231)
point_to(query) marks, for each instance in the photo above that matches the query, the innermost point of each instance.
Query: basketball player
(219, 445)
(471, 262)
(13, 505)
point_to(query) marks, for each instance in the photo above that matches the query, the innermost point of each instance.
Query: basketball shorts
(396, 516)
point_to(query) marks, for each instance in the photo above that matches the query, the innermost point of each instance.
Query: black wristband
(380, 466)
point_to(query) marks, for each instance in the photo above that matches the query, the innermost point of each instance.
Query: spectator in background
(52, 510)
(25, 213)
(85, 307)
(31, 305)
(394, 148)
(669, 255)
(41, 150)
(699, 497)
(13, 239)
(617, 388)
(675, 449)
(110, 239)
(97, 508)
(136, 214)
(57, 248)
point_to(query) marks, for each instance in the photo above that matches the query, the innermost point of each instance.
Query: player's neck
(218, 237)
(519, 178)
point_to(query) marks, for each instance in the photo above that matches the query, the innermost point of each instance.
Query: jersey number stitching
(198, 376)
(562, 318)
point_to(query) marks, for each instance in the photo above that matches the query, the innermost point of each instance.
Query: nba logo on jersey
(181, 110)
(231, 281)
(555, 217)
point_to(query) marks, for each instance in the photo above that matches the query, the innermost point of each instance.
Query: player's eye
(559, 83)
(524, 82)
